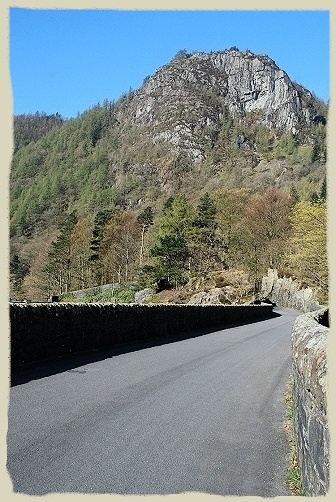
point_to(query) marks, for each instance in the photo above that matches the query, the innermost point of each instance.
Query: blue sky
(67, 60)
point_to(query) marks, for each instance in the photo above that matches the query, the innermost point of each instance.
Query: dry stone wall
(49, 330)
(309, 357)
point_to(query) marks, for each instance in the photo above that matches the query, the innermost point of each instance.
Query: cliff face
(186, 101)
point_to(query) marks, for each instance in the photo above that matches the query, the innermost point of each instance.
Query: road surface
(199, 414)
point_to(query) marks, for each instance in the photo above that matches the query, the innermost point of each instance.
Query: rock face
(191, 95)
(141, 296)
(214, 296)
(287, 292)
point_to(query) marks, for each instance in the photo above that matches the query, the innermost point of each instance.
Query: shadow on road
(35, 371)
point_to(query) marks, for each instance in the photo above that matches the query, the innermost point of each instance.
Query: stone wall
(287, 292)
(309, 353)
(49, 330)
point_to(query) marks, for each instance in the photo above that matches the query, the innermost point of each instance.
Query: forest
(98, 199)
(229, 229)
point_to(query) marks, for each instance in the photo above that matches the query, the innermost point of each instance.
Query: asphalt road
(200, 414)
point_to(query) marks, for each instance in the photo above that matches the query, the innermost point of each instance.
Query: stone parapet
(309, 356)
(48, 330)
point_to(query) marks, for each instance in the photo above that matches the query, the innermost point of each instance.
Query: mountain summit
(190, 96)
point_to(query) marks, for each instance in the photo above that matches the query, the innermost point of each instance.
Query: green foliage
(30, 128)
(100, 221)
(308, 245)
(145, 218)
(205, 212)
(58, 268)
(286, 146)
(177, 217)
(294, 194)
(231, 205)
(264, 142)
(172, 253)
(319, 152)
(19, 269)
(181, 54)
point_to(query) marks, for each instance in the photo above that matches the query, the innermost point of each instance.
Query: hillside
(201, 123)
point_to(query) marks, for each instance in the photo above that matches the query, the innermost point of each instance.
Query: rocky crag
(288, 292)
(190, 97)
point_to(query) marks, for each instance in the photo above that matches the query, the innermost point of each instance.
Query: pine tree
(206, 211)
(172, 253)
(18, 269)
(203, 252)
(100, 221)
(145, 219)
(59, 267)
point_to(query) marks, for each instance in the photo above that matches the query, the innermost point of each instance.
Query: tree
(268, 228)
(120, 247)
(172, 247)
(181, 54)
(231, 205)
(177, 218)
(145, 219)
(286, 145)
(314, 199)
(100, 221)
(319, 151)
(172, 252)
(294, 194)
(205, 212)
(80, 254)
(308, 244)
(203, 245)
(18, 269)
(59, 267)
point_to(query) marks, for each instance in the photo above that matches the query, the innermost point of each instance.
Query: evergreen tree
(59, 267)
(177, 218)
(100, 221)
(205, 212)
(316, 152)
(172, 249)
(203, 252)
(145, 219)
(172, 253)
(18, 269)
